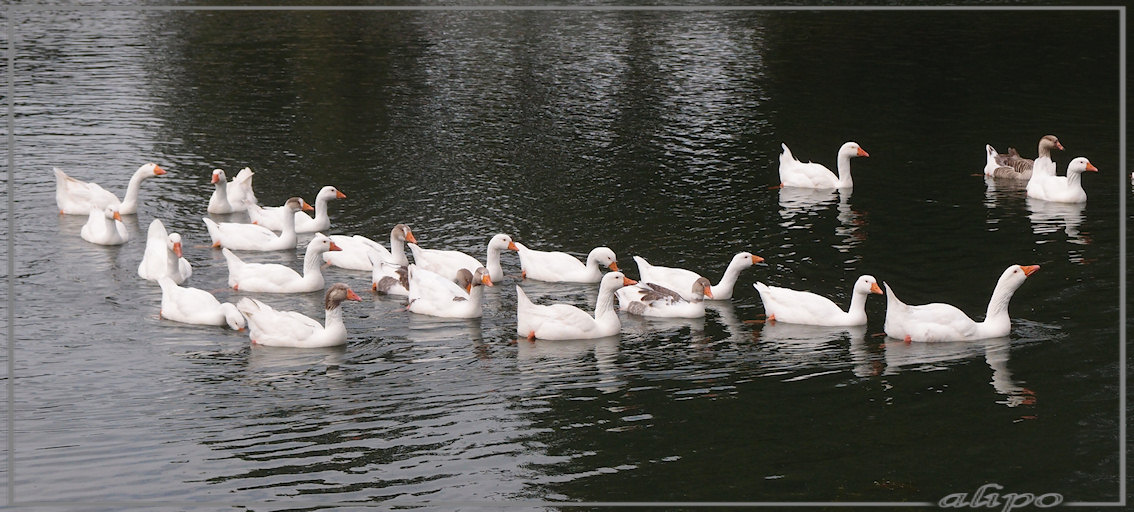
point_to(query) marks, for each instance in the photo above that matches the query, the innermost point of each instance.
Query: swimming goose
(271, 216)
(567, 322)
(1043, 149)
(196, 306)
(431, 294)
(655, 300)
(1061, 189)
(269, 327)
(943, 322)
(231, 196)
(75, 197)
(276, 278)
(559, 267)
(447, 263)
(104, 227)
(163, 256)
(355, 249)
(681, 280)
(250, 237)
(800, 307)
(794, 173)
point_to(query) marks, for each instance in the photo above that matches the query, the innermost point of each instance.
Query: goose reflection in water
(798, 205)
(819, 349)
(927, 356)
(566, 363)
(1049, 217)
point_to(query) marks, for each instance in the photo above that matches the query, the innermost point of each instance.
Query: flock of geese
(448, 283)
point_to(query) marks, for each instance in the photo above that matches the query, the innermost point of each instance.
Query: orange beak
(1029, 269)
(614, 266)
(350, 295)
(215, 178)
(626, 281)
(512, 246)
(862, 152)
(158, 171)
(875, 289)
(117, 217)
(1091, 167)
(756, 259)
(1058, 146)
(334, 247)
(177, 249)
(487, 280)
(409, 237)
(340, 195)
(374, 287)
(708, 292)
(306, 207)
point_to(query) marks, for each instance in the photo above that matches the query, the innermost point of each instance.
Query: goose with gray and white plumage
(655, 300)
(1012, 166)
(270, 327)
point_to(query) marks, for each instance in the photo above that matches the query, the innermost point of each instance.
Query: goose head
(702, 287)
(1014, 276)
(745, 260)
(1048, 143)
(329, 192)
(851, 150)
(615, 280)
(149, 170)
(218, 176)
(604, 256)
(1081, 164)
(322, 243)
(336, 294)
(402, 233)
(501, 242)
(233, 317)
(296, 204)
(867, 285)
(173, 243)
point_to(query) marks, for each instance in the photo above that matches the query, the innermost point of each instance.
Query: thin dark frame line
(10, 349)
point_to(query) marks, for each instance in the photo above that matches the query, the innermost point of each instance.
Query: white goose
(163, 256)
(196, 306)
(794, 173)
(75, 197)
(431, 294)
(567, 322)
(655, 300)
(681, 280)
(276, 278)
(104, 227)
(447, 263)
(1061, 189)
(560, 267)
(250, 237)
(240, 188)
(355, 249)
(271, 217)
(943, 322)
(800, 307)
(231, 196)
(269, 327)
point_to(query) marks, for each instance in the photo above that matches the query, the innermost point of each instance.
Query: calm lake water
(653, 133)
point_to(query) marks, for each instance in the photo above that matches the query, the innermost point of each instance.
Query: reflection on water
(802, 208)
(1049, 217)
(935, 356)
(570, 364)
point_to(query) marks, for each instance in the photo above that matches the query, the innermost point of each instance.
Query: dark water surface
(653, 133)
